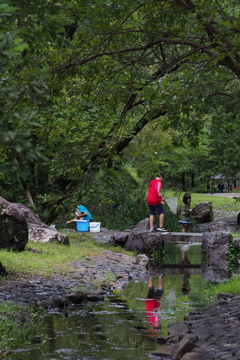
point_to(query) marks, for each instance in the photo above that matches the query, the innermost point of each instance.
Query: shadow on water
(127, 324)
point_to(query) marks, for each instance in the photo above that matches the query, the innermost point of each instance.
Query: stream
(120, 326)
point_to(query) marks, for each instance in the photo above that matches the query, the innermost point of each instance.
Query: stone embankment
(211, 333)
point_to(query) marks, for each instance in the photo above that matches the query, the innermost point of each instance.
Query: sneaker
(162, 229)
(152, 229)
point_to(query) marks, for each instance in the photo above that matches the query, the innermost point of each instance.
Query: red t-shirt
(152, 312)
(154, 197)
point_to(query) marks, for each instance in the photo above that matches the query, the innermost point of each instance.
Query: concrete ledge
(181, 237)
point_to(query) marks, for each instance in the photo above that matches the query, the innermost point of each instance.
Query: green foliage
(231, 286)
(233, 256)
(18, 100)
(109, 277)
(89, 86)
(18, 325)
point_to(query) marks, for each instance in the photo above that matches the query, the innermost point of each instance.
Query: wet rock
(177, 328)
(212, 336)
(47, 304)
(77, 298)
(186, 345)
(197, 354)
(166, 352)
(96, 295)
(62, 302)
(172, 339)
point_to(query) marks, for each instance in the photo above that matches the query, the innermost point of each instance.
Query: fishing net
(172, 203)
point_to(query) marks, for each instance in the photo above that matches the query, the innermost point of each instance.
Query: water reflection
(186, 274)
(153, 303)
(127, 324)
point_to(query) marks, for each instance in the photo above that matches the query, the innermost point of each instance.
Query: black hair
(186, 196)
(160, 173)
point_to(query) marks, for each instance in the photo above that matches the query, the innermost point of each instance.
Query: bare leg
(151, 220)
(184, 229)
(184, 255)
(160, 282)
(150, 282)
(161, 220)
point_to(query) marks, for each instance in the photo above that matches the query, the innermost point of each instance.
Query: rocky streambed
(92, 280)
(210, 333)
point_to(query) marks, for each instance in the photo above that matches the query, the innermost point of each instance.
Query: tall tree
(104, 70)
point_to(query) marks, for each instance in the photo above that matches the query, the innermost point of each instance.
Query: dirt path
(225, 194)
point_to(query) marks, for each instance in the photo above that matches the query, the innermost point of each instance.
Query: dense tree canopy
(94, 84)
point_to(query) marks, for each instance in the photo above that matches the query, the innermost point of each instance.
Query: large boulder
(139, 239)
(142, 241)
(203, 212)
(19, 224)
(14, 227)
(38, 231)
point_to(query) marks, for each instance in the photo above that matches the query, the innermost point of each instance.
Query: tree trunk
(192, 181)
(24, 184)
(183, 182)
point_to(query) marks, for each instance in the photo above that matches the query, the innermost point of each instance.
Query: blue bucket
(82, 225)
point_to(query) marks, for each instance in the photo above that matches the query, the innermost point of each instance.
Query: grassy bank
(218, 202)
(51, 258)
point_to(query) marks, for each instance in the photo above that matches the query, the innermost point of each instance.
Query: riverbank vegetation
(232, 286)
(18, 326)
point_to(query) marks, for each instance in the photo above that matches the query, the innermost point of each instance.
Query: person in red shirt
(155, 201)
(153, 303)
